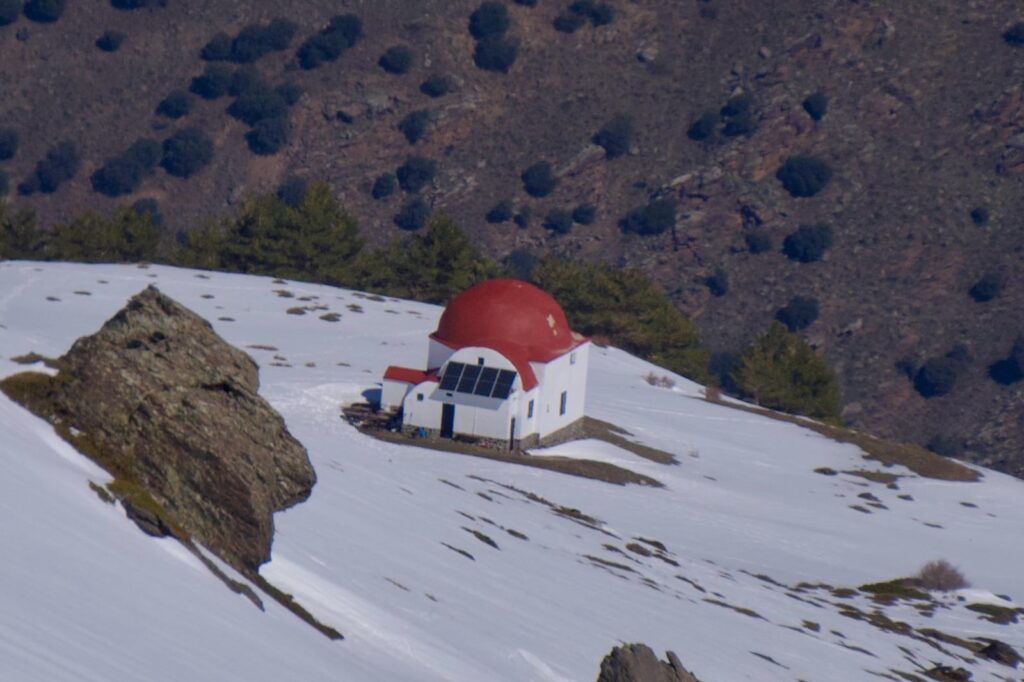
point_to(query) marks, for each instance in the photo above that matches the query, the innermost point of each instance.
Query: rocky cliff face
(174, 409)
(638, 663)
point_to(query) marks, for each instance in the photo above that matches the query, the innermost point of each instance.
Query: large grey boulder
(638, 663)
(169, 406)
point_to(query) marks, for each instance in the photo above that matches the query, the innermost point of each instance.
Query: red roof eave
(409, 376)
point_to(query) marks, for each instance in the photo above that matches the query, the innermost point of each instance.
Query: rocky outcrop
(638, 663)
(169, 406)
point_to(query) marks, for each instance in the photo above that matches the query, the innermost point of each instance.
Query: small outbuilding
(503, 365)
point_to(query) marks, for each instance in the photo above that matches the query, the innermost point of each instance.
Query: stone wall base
(567, 433)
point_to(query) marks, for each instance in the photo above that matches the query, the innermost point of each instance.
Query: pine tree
(625, 308)
(20, 235)
(433, 266)
(782, 372)
(317, 240)
(127, 236)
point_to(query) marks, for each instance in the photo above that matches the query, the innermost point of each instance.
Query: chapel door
(447, 420)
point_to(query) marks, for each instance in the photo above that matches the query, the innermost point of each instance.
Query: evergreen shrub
(804, 176)
(808, 243)
(539, 180)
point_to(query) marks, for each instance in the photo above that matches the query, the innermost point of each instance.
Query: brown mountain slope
(924, 125)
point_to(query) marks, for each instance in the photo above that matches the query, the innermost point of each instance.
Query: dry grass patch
(892, 590)
(610, 433)
(33, 357)
(584, 468)
(889, 453)
(882, 477)
(1003, 615)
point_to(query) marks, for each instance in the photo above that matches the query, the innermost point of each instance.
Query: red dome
(507, 312)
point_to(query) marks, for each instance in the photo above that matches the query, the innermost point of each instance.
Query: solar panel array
(477, 380)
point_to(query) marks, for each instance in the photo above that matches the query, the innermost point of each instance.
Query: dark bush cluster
(718, 282)
(436, 86)
(1015, 35)
(414, 125)
(522, 219)
(808, 243)
(128, 5)
(656, 217)
(292, 192)
(558, 221)
(798, 314)
(122, 174)
(979, 215)
(584, 214)
(413, 215)
(988, 287)
(568, 22)
(704, 127)
(268, 135)
(415, 173)
(396, 60)
(243, 78)
(1010, 369)
(495, 51)
(737, 116)
(175, 105)
(187, 152)
(500, 213)
(816, 105)
(341, 33)
(213, 83)
(489, 19)
(804, 176)
(10, 10)
(936, 377)
(264, 109)
(573, 18)
(251, 43)
(110, 41)
(290, 93)
(257, 102)
(45, 11)
(218, 49)
(8, 143)
(615, 137)
(539, 180)
(383, 186)
(496, 54)
(60, 165)
(758, 242)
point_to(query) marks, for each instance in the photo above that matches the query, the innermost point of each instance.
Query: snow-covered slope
(391, 548)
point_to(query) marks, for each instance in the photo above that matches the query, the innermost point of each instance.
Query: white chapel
(503, 365)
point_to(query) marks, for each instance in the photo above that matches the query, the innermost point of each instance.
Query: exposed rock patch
(174, 408)
(638, 663)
